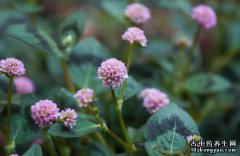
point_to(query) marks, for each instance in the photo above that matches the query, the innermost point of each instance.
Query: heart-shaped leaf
(167, 130)
(34, 37)
(82, 128)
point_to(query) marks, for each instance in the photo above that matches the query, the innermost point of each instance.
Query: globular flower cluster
(69, 117)
(205, 16)
(85, 96)
(45, 112)
(12, 67)
(153, 99)
(14, 155)
(135, 35)
(137, 13)
(112, 72)
(24, 85)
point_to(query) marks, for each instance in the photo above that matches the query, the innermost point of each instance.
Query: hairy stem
(9, 109)
(66, 75)
(118, 106)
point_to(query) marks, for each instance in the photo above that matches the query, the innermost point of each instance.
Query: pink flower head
(12, 66)
(135, 35)
(24, 85)
(205, 16)
(112, 72)
(189, 138)
(14, 155)
(137, 13)
(45, 112)
(153, 99)
(69, 117)
(85, 96)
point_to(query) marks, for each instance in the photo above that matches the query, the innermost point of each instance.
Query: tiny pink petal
(153, 99)
(112, 72)
(12, 66)
(205, 16)
(44, 112)
(135, 35)
(85, 96)
(69, 117)
(24, 85)
(137, 13)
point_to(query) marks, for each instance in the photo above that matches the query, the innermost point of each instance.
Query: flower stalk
(194, 43)
(110, 132)
(67, 75)
(128, 62)
(9, 109)
(118, 106)
(191, 51)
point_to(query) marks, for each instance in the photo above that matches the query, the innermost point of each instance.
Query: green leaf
(35, 150)
(98, 149)
(233, 32)
(85, 75)
(90, 47)
(115, 9)
(170, 142)
(24, 129)
(26, 7)
(10, 17)
(62, 97)
(34, 37)
(206, 83)
(167, 130)
(74, 24)
(139, 136)
(132, 87)
(54, 68)
(82, 128)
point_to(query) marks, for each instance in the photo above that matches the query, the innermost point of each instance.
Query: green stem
(32, 16)
(67, 75)
(49, 144)
(61, 147)
(194, 42)
(100, 138)
(9, 109)
(128, 62)
(191, 50)
(119, 140)
(97, 118)
(84, 150)
(129, 56)
(118, 106)
(110, 132)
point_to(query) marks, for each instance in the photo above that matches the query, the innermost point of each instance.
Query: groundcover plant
(119, 77)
